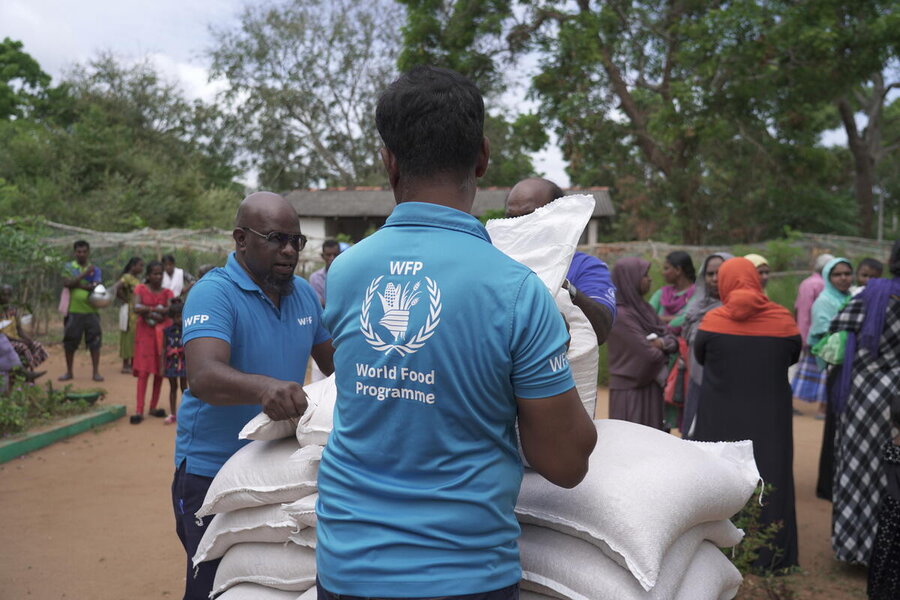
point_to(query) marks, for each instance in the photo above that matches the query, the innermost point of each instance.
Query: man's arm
(599, 316)
(79, 281)
(557, 437)
(323, 354)
(213, 380)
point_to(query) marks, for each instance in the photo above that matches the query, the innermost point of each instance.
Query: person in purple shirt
(588, 281)
(330, 251)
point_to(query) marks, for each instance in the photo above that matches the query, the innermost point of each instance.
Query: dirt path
(90, 518)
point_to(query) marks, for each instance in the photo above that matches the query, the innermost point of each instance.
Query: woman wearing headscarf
(746, 347)
(762, 268)
(838, 277)
(862, 392)
(706, 298)
(671, 300)
(638, 348)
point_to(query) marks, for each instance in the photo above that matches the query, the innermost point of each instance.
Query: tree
(304, 76)
(21, 80)
(675, 102)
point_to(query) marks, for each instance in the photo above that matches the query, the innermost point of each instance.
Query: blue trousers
(507, 593)
(188, 492)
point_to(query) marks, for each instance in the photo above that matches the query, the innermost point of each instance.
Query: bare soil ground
(90, 518)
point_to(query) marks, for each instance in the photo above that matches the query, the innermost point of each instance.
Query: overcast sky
(174, 34)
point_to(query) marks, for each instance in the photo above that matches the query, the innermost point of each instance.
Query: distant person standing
(330, 251)
(639, 348)
(130, 279)
(746, 346)
(809, 380)
(82, 320)
(175, 279)
(151, 303)
(762, 268)
(671, 300)
(869, 268)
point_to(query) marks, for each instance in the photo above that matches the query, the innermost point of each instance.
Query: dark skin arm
(79, 282)
(599, 316)
(214, 381)
(323, 354)
(557, 437)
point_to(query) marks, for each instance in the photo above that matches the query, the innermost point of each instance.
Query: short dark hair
(682, 259)
(874, 264)
(330, 244)
(432, 121)
(152, 265)
(895, 259)
(168, 258)
(81, 244)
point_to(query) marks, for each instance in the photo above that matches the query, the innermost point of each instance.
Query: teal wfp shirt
(264, 339)
(436, 334)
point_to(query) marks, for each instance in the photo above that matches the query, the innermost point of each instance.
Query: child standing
(151, 304)
(173, 358)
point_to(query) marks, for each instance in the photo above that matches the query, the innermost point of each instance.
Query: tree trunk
(863, 167)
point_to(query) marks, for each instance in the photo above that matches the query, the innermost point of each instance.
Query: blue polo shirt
(436, 334)
(264, 340)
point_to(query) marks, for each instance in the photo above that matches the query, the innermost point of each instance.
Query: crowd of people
(427, 482)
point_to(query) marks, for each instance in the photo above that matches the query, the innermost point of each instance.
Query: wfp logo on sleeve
(195, 319)
(558, 363)
(402, 306)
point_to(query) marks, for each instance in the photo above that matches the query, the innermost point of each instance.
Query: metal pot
(100, 297)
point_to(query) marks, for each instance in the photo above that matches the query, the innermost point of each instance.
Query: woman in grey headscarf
(706, 298)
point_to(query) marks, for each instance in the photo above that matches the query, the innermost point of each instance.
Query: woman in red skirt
(151, 304)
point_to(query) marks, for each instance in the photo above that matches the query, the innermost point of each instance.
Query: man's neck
(444, 193)
(275, 297)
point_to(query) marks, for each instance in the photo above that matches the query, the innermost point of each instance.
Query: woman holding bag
(151, 303)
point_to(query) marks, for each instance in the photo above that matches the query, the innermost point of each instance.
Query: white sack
(303, 511)
(316, 423)
(644, 488)
(568, 567)
(310, 594)
(545, 240)
(261, 427)
(252, 591)
(308, 454)
(305, 537)
(268, 523)
(528, 595)
(710, 576)
(583, 354)
(281, 566)
(257, 474)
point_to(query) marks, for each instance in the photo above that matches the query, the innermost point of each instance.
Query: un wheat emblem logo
(397, 300)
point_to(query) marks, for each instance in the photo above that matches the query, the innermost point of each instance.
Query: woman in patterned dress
(865, 388)
(129, 280)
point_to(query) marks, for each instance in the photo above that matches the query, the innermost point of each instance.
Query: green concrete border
(29, 442)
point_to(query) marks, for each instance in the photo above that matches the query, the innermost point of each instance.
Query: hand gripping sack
(644, 488)
(261, 427)
(260, 473)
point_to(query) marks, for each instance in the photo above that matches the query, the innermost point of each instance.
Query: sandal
(170, 419)
(135, 419)
(158, 412)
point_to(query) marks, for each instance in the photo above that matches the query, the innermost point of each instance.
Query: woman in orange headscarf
(746, 346)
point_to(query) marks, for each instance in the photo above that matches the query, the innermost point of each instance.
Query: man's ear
(240, 237)
(484, 157)
(390, 165)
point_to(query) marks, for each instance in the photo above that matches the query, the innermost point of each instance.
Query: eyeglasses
(297, 240)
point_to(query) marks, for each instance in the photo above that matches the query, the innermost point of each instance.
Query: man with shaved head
(588, 280)
(249, 331)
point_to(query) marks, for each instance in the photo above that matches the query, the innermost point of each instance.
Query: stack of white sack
(545, 241)
(643, 524)
(264, 501)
